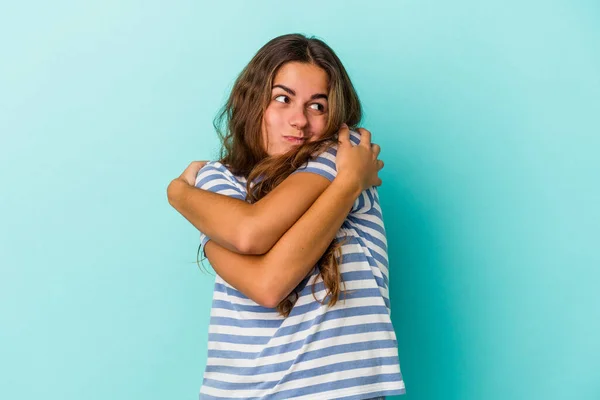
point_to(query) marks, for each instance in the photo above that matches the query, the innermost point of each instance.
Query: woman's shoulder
(354, 137)
(218, 167)
(216, 170)
(331, 150)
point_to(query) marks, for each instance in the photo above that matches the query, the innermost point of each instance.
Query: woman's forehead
(302, 78)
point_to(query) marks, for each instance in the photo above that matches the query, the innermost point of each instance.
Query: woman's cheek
(319, 126)
(272, 115)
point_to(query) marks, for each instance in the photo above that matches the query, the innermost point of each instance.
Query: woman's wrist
(350, 183)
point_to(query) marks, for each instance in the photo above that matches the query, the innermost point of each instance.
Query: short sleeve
(323, 164)
(214, 177)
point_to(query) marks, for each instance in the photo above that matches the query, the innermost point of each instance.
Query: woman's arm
(268, 278)
(252, 228)
(242, 227)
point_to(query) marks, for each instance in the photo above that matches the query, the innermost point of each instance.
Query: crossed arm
(284, 232)
(280, 237)
(242, 227)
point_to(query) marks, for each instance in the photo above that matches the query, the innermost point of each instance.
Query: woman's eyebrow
(290, 91)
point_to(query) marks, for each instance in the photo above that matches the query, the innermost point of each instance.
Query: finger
(365, 137)
(344, 135)
(375, 149)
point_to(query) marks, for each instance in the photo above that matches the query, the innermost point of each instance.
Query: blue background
(488, 118)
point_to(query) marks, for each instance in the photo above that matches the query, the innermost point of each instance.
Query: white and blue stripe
(348, 351)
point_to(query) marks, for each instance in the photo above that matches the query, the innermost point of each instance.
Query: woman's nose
(298, 118)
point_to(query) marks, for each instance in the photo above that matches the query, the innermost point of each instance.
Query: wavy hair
(239, 125)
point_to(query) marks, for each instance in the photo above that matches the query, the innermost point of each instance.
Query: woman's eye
(281, 96)
(319, 106)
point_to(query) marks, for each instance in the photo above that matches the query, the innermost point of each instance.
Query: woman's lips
(294, 139)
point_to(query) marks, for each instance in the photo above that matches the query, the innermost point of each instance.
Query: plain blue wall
(487, 115)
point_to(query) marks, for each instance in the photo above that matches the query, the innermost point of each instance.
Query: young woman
(285, 231)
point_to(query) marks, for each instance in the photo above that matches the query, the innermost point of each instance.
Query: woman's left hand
(190, 173)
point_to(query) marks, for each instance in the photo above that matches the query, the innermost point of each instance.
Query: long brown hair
(239, 125)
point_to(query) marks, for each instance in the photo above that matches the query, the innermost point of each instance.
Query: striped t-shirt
(348, 351)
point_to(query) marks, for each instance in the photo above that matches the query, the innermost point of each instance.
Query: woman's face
(298, 109)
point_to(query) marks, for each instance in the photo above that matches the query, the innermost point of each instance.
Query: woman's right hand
(358, 164)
